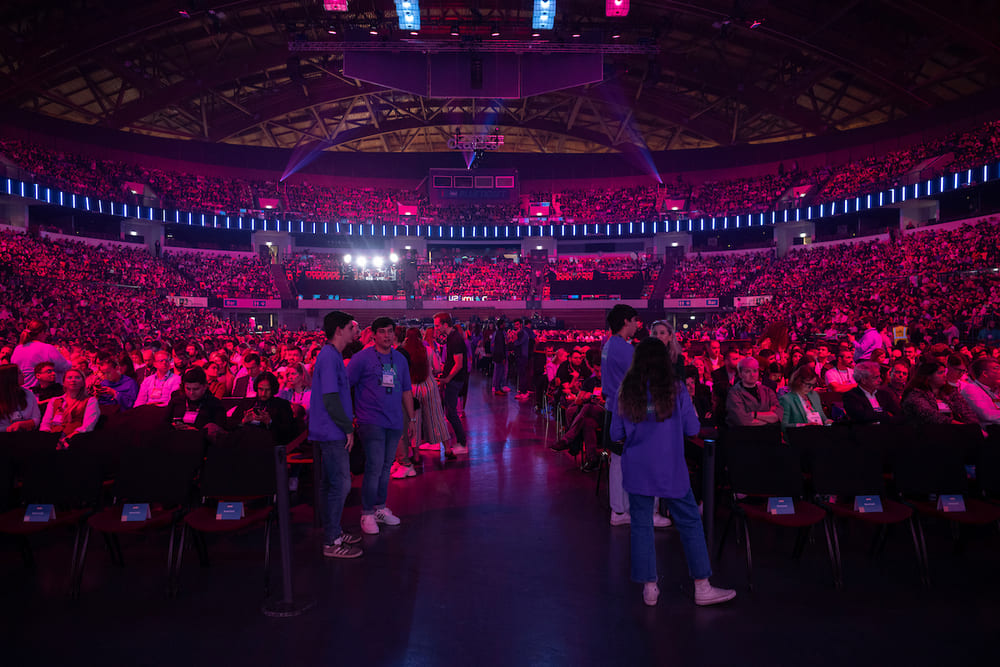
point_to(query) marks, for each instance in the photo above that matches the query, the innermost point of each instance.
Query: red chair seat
(806, 514)
(110, 521)
(892, 512)
(203, 520)
(13, 523)
(976, 512)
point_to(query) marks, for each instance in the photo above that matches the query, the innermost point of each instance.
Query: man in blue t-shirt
(380, 377)
(616, 358)
(331, 427)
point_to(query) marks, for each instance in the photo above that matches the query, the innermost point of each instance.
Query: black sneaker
(590, 465)
(450, 455)
(347, 538)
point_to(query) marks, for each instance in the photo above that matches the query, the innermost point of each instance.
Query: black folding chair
(760, 471)
(70, 481)
(240, 468)
(840, 470)
(161, 474)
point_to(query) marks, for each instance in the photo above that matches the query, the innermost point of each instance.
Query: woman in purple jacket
(654, 414)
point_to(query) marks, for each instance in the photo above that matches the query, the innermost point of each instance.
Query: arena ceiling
(725, 73)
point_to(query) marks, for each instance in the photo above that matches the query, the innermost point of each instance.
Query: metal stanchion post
(286, 605)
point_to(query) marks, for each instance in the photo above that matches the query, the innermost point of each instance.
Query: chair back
(988, 465)
(65, 478)
(930, 467)
(240, 465)
(765, 469)
(162, 472)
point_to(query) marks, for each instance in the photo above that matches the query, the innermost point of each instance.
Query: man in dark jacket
(500, 359)
(867, 403)
(193, 406)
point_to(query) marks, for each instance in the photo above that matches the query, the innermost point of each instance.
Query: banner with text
(251, 303)
(747, 301)
(691, 303)
(189, 301)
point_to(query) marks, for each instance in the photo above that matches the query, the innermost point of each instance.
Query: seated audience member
(193, 406)
(225, 374)
(584, 415)
(46, 387)
(158, 386)
(957, 365)
(899, 373)
(867, 403)
(801, 406)
(216, 385)
(115, 388)
(701, 395)
(713, 356)
(929, 399)
(722, 381)
(775, 379)
(840, 378)
(265, 410)
(982, 392)
(18, 406)
(571, 375)
(749, 403)
(246, 380)
(298, 388)
(74, 412)
(146, 368)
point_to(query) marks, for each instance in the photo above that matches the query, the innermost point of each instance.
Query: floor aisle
(505, 557)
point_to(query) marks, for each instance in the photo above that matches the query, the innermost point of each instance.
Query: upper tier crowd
(115, 180)
(179, 273)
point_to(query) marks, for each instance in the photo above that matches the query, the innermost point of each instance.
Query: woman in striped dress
(433, 428)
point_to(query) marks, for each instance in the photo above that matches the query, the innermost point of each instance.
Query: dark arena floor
(505, 557)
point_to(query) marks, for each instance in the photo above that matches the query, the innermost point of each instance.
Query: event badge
(190, 416)
(39, 513)
(136, 512)
(156, 393)
(867, 504)
(781, 505)
(951, 503)
(229, 512)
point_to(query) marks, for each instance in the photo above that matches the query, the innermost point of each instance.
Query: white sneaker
(650, 594)
(620, 518)
(386, 516)
(401, 472)
(368, 525)
(706, 594)
(431, 446)
(460, 449)
(660, 521)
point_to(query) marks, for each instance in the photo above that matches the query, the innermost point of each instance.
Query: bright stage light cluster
(408, 12)
(376, 261)
(544, 16)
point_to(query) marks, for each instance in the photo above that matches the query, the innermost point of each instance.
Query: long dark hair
(414, 346)
(651, 375)
(12, 396)
(920, 379)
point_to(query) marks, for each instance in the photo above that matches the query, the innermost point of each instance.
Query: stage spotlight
(362, 262)
(616, 8)
(408, 12)
(393, 257)
(377, 262)
(544, 15)
(347, 259)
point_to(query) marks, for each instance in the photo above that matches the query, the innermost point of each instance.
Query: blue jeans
(335, 486)
(452, 391)
(499, 374)
(684, 512)
(380, 451)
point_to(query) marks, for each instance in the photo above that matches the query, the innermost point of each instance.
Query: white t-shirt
(835, 375)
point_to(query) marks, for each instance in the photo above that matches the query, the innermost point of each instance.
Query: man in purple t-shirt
(331, 427)
(380, 377)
